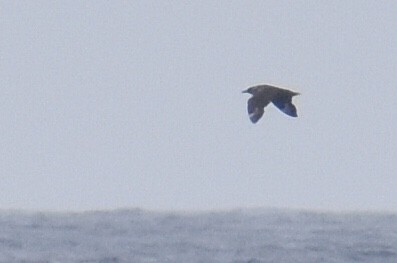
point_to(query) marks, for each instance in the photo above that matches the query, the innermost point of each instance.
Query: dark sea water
(238, 236)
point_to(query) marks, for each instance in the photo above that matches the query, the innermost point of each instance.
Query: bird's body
(262, 95)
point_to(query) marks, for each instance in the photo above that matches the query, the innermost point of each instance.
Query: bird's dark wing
(284, 103)
(255, 109)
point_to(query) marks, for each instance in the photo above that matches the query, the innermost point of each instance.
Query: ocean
(236, 236)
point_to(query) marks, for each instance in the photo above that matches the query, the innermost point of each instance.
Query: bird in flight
(262, 95)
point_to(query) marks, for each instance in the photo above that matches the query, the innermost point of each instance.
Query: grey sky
(109, 104)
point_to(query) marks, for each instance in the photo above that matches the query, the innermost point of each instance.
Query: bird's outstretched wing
(285, 105)
(255, 109)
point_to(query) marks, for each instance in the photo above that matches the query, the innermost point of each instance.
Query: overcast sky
(115, 104)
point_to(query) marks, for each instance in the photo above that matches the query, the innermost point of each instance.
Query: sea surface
(237, 236)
